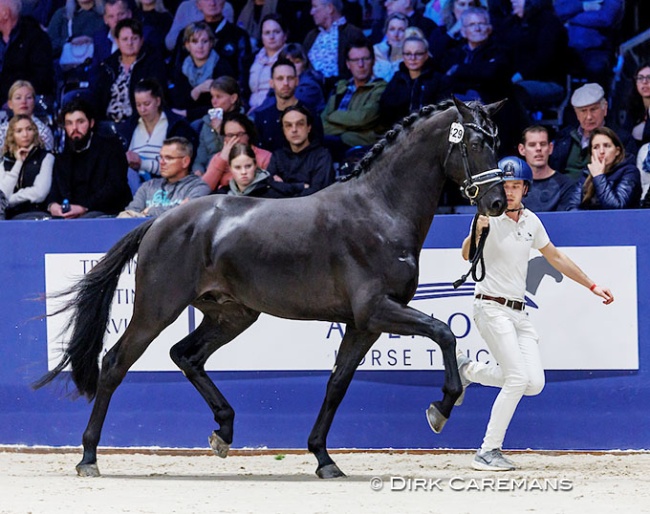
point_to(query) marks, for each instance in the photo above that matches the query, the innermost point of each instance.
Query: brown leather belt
(513, 304)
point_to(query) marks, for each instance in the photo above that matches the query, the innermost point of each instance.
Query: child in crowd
(247, 178)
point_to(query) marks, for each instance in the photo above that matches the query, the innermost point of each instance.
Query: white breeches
(513, 343)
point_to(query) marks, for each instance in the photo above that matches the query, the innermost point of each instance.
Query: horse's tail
(90, 306)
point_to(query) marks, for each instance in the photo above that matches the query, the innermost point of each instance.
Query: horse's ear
(464, 111)
(492, 109)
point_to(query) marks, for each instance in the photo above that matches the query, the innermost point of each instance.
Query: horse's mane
(407, 123)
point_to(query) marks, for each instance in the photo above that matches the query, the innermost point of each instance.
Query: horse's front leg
(395, 318)
(354, 346)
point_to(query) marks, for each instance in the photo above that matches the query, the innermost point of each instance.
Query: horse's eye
(476, 146)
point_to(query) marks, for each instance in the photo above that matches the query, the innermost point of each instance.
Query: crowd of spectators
(130, 107)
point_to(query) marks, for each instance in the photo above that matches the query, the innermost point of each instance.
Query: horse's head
(471, 159)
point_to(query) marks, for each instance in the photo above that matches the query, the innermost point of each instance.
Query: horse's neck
(409, 184)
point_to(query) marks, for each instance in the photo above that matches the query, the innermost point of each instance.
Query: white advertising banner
(577, 332)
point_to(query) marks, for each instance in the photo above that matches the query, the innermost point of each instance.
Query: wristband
(593, 286)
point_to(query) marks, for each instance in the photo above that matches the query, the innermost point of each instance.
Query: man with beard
(284, 81)
(90, 175)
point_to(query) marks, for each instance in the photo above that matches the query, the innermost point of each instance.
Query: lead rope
(475, 256)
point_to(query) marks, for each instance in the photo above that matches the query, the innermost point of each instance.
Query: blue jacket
(618, 189)
(591, 29)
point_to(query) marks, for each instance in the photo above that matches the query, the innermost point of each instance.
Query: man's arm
(567, 267)
(482, 223)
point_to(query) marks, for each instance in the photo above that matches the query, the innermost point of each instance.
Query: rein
(471, 188)
(475, 256)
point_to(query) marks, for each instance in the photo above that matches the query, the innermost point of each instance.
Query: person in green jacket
(351, 116)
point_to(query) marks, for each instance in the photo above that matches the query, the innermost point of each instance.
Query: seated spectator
(231, 44)
(611, 180)
(104, 40)
(388, 52)
(251, 16)
(284, 80)
(90, 174)
(27, 51)
(302, 167)
(274, 37)
(415, 84)
(479, 69)
(85, 17)
(351, 116)
(175, 186)
(639, 105)
(538, 43)
(326, 44)
(26, 176)
(236, 128)
(188, 12)
(147, 130)
(22, 101)
(226, 96)
(415, 17)
(550, 190)
(451, 13)
(247, 177)
(310, 81)
(594, 30)
(191, 79)
(571, 149)
(156, 22)
(118, 75)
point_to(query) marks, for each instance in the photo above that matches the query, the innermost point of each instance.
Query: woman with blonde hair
(388, 53)
(22, 100)
(193, 76)
(26, 175)
(611, 179)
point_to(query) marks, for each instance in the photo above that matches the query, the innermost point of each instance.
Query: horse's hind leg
(115, 365)
(354, 346)
(220, 325)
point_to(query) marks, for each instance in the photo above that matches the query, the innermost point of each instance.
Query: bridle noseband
(471, 187)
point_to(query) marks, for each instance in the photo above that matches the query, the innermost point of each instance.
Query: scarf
(198, 74)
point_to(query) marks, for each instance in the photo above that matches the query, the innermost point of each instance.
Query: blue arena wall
(578, 410)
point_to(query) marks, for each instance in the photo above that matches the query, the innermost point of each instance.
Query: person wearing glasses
(480, 69)
(572, 152)
(352, 114)
(235, 128)
(639, 104)
(89, 179)
(415, 84)
(175, 186)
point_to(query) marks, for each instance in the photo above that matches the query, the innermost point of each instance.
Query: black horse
(346, 254)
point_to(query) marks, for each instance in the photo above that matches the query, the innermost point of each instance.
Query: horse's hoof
(330, 471)
(87, 470)
(436, 419)
(219, 446)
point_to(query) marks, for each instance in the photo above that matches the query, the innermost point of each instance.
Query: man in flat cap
(571, 147)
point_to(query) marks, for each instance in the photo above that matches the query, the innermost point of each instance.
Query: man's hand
(603, 292)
